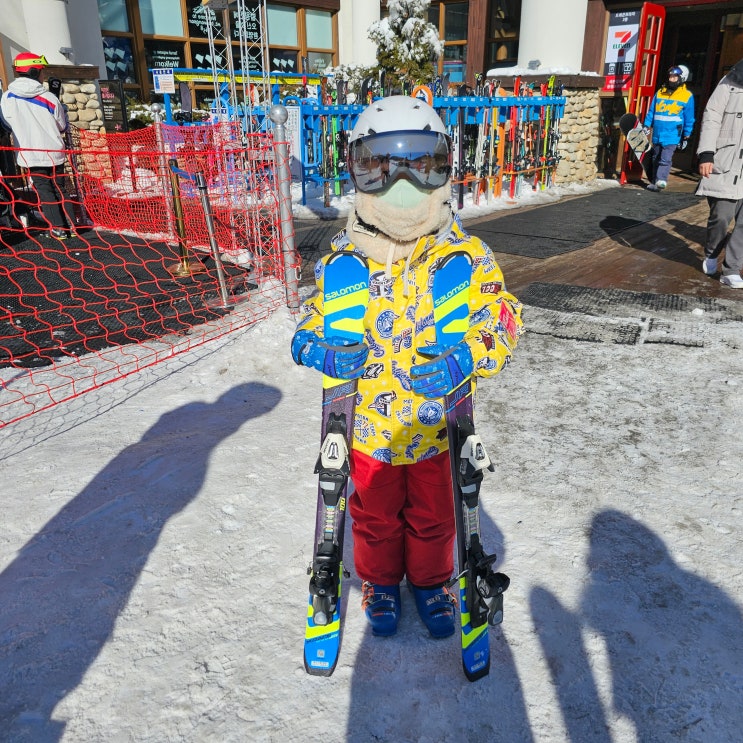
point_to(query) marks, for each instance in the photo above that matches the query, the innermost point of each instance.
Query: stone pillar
(79, 95)
(552, 32)
(579, 136)
(354, 45)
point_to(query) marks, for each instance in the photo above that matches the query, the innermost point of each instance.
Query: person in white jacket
(720, 153)
(37, 120)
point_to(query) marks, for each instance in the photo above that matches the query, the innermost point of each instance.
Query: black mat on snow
(312, 241)
(70, 298)
(621, 303)
(570, 225)
(542, 232)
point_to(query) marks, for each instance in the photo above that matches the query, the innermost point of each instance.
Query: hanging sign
(621, 50)
(164, 81)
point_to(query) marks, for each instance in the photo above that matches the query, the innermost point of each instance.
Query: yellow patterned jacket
(392, 423)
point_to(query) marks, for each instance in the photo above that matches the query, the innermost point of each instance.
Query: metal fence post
(278, 115)
(164, 168)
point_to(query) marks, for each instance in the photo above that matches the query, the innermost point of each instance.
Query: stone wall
(579, 137)
(79, 94)
(83, 105)
(579, 126)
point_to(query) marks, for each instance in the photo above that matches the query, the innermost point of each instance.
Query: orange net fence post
(88, 290)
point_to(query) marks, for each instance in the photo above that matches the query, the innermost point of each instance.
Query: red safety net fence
(141, 246)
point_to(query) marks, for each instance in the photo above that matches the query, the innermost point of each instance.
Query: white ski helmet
(396, 113)
(681, 71)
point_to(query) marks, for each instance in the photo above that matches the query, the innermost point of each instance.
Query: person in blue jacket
(671, 116)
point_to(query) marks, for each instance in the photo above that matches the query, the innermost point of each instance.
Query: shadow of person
(674, 640)
(559, 632)
(693, 233)
(410, 687)
(650, 239)
(60, 597)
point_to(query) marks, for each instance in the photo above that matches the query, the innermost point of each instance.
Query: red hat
(26, 61)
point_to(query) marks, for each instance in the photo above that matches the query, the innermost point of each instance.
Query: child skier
(400, 159)
(671, 115)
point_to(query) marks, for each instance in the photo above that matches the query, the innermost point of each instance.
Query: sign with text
(621, 50)
(164, 81)
(245, 21)
(113, 104)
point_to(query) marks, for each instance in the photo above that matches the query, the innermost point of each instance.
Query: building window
(199, 19)
(282, 25)
(502, 45)
(204, 58)
(451, 19)
(319, 29)
(117, 51)
(112, 15)
(174, 33)
(161, 17)
(164, 54)
(319, 35)
(300, 33)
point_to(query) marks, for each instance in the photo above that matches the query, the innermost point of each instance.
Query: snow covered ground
(156, 535)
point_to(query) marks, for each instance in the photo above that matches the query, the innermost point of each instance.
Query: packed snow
(157, 533)
(516, 71)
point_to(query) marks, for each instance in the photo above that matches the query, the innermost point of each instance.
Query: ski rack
(324, 135)
(497, 140)
(511, 138)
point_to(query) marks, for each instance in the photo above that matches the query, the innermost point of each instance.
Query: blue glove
(440, 375)
(332, 356)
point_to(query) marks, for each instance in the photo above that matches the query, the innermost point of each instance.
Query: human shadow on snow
(424, 677)
(61, 596)
(673, 641)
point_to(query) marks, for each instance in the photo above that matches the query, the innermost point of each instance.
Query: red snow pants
(403, 520)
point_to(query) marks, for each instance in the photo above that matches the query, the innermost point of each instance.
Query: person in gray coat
(720, 153)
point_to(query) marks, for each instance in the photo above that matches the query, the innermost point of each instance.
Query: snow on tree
(407, 44)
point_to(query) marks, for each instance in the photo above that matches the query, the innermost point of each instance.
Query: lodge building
(123, 40)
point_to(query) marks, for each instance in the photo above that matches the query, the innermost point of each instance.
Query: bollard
(184, 268)
(278, 115)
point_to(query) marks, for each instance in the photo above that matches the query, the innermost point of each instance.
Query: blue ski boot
(436, 609)
(382, 607)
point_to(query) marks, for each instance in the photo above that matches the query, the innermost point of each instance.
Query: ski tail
(345, 296)
(480, 589)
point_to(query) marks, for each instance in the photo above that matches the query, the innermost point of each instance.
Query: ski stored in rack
(480, 588)
(345, 298)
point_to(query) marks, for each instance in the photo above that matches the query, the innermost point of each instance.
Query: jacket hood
(735, 76)
(26, 87)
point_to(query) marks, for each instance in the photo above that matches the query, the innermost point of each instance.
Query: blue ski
(345, 298)
(480, 588)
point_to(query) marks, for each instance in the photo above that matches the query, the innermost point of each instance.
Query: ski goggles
(26, 62)
(377, 161)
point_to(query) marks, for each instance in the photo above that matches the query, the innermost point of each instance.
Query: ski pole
(206, 206)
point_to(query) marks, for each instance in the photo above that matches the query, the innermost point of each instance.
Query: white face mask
(403, 195)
